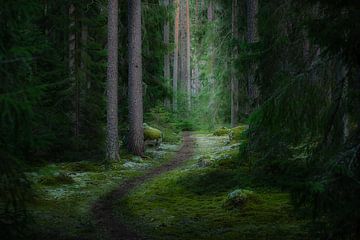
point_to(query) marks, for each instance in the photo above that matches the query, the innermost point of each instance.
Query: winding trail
(103, 208)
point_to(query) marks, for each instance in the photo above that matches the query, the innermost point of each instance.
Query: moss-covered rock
(151, 133)
(238, 198)
(221, 131)
(237, 133)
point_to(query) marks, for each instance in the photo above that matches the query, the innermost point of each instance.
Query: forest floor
(104, 208)
(178, 192)
(190, 202)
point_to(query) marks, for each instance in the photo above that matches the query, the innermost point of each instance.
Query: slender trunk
(112, 141)
(84, 39)
(188, 55)
(196, 9)
(72, 68)
(234, 75)
(342, 80)
(166, 56)
(183, 53)
(252, 37)
(176, 55)
(212, 102)
(136, 131)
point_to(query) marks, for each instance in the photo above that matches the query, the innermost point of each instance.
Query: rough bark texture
(176, 55)
(184, 75)
(212, 102)
(252, 37)
(166, 56)
(136, 131)
(84, 39)
(112, 141)
(188, 55)
(72, 68)
(234, 77)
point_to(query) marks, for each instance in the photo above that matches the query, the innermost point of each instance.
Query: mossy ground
(62, 210)
(188, 203)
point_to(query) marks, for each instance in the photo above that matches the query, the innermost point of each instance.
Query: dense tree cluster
(78, 77)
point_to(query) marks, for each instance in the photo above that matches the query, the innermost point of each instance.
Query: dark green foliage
(304, 135)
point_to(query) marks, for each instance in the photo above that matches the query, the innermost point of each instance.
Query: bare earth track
(103, 208)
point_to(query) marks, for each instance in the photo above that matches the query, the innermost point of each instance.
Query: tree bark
(252, 37)
(212, 101)
(234, 77)
(176, 55)
(136, 131)
(184, 75)
(72, 68)
(188, 55)
(84, 39)
(166, 56)
(112, 141)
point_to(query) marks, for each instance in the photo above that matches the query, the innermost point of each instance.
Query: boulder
(221, 131)
(152, 134)
(236, 133)
(238, 198)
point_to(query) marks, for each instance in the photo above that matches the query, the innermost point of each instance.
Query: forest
(180, 119)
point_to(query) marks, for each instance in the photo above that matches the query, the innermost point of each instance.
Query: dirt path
(103, 208)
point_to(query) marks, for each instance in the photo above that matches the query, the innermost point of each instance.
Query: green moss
(188, 203)
(151, 133)
(57, 179)
(238, 198)
(83, 166)
(221, 131)
(237, 133)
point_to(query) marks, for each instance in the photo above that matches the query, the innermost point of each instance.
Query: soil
(114, 226)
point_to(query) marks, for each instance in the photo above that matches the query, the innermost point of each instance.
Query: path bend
(103, 208)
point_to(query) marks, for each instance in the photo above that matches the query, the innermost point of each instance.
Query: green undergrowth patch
(190, 202)
(65, 192)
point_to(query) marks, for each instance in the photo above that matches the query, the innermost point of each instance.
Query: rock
(236, 133)
(221, 131)
(204, 161)
(238, 198)
(152, 136)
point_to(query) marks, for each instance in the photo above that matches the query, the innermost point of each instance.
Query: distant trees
(112, 140)
(136, 131)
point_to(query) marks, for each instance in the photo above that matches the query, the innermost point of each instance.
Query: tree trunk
(188, 55)
(176, 55)
(234, 77)
(136, 133)
(166, 56)
(184, 75)
(72, 68)
(84, 39)
(112, 141)
(252, 37)
(212, 101)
